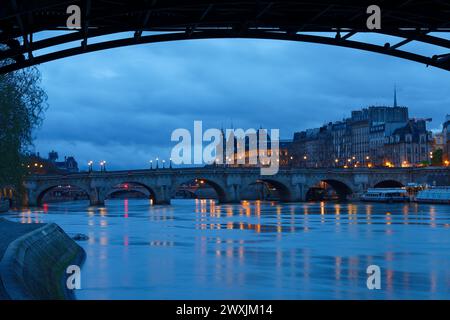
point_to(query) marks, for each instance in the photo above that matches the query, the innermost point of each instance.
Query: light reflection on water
(197, 249)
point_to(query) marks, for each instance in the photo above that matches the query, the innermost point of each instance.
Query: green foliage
(437, 159)
(22, 104)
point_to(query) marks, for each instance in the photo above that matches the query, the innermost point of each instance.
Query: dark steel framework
(315, 21)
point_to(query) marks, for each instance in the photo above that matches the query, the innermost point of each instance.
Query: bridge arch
(221, 192)
(9, 193)
(133, 187)
(42, 192)
(342, 189)
(389, 183)
(438, 61)
(283, 193)
(185, 20)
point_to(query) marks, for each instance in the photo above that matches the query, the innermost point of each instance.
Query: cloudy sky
(122, 105)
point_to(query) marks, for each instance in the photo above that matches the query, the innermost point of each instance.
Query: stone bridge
(292, 184)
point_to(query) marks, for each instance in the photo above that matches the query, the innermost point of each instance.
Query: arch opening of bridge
(198, 187)
(328, 189)
(67, 192)
(267, 189)
(8, 193)
(389, 184)
(337, 23)
(131, 189)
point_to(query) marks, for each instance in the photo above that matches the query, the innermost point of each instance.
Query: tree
(22, 105)
(437, 159)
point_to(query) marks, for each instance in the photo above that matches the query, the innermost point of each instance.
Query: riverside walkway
(10, 231)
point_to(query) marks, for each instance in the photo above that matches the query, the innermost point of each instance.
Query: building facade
(38, 165)
(410, 145)
(373, 136)
(446, 138)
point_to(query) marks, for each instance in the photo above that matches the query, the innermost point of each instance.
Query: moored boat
(386, 195)
(434, 195)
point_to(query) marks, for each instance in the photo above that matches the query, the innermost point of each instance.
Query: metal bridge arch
(172, 20)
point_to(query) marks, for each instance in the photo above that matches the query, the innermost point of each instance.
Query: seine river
(196, 249)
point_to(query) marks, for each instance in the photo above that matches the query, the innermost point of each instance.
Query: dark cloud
(121, 105)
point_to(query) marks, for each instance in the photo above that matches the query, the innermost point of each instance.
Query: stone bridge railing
(292, 184)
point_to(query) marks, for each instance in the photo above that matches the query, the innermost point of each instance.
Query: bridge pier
(97, 196)
(298, 192)
(30, 200)
(161, 202)
(161, 195)
(95, 202)
(233, 194)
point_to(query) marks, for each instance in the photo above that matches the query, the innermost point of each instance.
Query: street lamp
(151, 164)
(103, 165)
(90, 163)
(170, 163)
(157, 163)
(164, 163)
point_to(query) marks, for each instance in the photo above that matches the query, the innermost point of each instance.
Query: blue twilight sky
(121, 105)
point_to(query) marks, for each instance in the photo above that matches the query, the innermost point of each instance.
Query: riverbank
(34, 258)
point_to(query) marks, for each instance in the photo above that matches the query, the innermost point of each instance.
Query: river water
(197, 249)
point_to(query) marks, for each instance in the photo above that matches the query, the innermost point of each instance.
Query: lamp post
(90, 163)
(164, 164)
(170, 163)
(103, 165)
(157, 163)
(151, 164)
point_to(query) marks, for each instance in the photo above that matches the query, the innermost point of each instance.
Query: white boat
(386, 195)
(434, 195)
